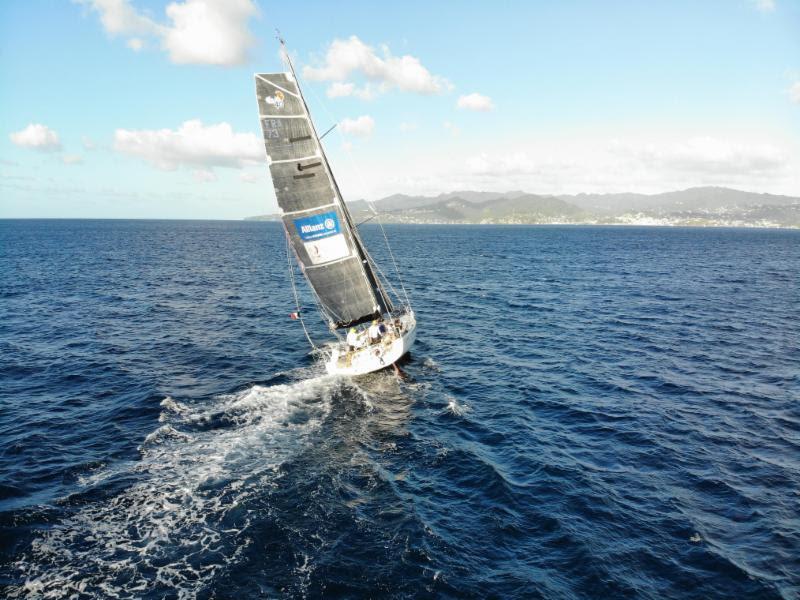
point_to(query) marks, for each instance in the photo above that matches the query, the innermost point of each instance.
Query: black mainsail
(325, 241)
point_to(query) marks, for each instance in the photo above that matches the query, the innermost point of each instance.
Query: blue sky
(128, 108)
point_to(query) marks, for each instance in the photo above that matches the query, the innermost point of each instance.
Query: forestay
(314, 215)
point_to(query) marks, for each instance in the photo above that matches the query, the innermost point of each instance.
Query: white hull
(375, 356)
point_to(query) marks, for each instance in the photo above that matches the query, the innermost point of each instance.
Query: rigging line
(394, 262)
(320, 308)
(376, 214)
(378, 293)
(331, 128)
(285, 61)
(294, 290)
(284, 52)
(287, 64)
(363, 186)
(367, 220)
(391, 287)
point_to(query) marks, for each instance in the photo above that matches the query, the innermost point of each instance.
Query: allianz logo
(328, 224)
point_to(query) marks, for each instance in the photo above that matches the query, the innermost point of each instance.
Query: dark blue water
(590, 412)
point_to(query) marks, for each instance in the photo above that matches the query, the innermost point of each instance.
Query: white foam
(99, 476)
(162, 434)
(169, 529)
(172, 407)
(455, 408)
(431, 364)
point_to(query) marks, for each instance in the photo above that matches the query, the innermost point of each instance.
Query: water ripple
(589, 412)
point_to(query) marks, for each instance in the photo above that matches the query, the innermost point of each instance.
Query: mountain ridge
(696, 206)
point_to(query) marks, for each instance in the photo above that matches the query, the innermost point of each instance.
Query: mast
(382, 298)
(316, 219)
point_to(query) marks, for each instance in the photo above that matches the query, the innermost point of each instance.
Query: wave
(184, 518)
(455, 408)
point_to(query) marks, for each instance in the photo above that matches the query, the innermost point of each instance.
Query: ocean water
(589, 412)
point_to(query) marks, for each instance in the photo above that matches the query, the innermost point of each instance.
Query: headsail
(316, 220)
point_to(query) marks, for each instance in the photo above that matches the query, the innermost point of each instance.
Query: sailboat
(348, 286)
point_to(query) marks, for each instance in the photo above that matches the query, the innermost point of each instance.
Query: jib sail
(327, 246)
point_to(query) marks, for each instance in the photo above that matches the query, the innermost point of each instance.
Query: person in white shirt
(374, 332)
(352, 339)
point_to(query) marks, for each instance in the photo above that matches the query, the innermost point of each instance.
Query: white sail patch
(316, 218)
(322, 237)
(327, 249)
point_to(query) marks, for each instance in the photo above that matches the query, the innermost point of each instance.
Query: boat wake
(182, 515)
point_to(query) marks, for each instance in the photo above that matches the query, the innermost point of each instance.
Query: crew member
(352, 339)
(374, 332)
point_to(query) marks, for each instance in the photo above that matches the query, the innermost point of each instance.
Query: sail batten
(316, 220)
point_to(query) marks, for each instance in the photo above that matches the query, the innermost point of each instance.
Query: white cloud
(475, 101)
(340, 89)
(345, 58)
(210, 32)
(192, 144)
(706, 155)
(361, 126)
(585, 165)
(764, 5)
(367, 92)
(405, 126)
(71, 159)
(37, 137)
(645, 162)
(248, 177)
(118, 17)
(452, 128)
(135, 44)
(204, 175)
(794, 92)
(516, 163)
(88, 143)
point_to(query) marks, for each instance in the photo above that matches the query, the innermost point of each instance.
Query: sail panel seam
(352, 233)
(338, 311)
(275, 85)
(288, 160)
(281, 116)
(304, 210)
(333, 262)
